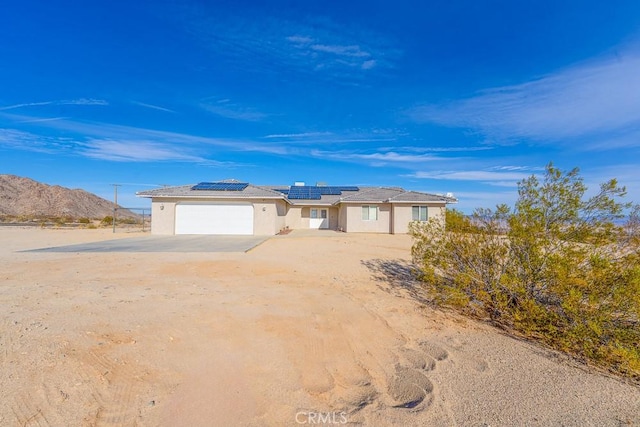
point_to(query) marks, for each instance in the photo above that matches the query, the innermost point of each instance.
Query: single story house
(233, 207)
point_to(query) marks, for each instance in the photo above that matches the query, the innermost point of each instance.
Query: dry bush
(558, 267)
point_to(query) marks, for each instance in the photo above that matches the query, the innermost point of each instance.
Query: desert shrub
(457, 221)
(107, 220)
(557, 267)
(59, 221)
(127, 220)
(84, 221)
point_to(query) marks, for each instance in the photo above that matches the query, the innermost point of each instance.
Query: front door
(318, 218)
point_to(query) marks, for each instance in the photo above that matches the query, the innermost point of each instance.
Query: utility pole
(115, 204)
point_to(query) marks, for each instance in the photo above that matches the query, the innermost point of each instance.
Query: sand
(305, 329)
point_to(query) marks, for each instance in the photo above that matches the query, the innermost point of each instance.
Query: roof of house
(340, 194)
(184, 191)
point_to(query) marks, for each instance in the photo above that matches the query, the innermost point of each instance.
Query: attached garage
(207, 218)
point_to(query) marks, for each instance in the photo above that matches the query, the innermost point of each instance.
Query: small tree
(557, 267)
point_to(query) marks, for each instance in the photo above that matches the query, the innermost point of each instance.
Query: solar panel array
(307, 192)
(300, 192)
(304, 192)
(220, 186)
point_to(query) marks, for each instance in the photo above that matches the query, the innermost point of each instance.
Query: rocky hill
(24, 197)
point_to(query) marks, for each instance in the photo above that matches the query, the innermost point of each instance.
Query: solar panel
(220, 186)
(330, 191)
(307, 192)
(304, 193)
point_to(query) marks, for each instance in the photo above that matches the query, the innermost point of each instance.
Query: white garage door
(197, 218)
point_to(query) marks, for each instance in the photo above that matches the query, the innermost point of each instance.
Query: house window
(369, 213)
(419, 213)
(319, 213)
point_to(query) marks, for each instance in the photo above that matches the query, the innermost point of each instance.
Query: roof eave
(191, 196)
(362, 201)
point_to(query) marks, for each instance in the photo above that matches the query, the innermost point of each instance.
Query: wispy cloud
(48, 119)
(322, 55)
(502, 176)
(226, 108)
(380, 158)
(81, 101)
(298, 135)
(440, 149)
(586, 100)
(26, 104)
(353, 51)
(270, 44)
(136, 151)
(375, 136)
(153, 107)
(118, 149)
(353, 55)
(26, 141)
(125, 143)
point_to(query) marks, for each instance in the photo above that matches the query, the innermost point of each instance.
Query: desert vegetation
(559, 267)
(44, 221)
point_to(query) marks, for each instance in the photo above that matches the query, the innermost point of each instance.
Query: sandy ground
(302, 330)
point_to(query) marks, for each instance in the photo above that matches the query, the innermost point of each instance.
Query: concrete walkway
(184, 243)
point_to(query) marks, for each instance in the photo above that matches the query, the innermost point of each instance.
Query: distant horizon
(439, 97)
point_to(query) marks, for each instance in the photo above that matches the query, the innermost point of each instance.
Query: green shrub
(556, 268)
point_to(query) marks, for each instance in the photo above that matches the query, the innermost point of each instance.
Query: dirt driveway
(302, 329)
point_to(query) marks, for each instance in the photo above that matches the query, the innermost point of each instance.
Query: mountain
(28, 198)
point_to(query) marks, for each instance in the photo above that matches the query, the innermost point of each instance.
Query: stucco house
(233, 207)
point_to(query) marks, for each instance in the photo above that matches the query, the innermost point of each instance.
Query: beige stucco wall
(163, 217)
(305, 212)
(355, 224)
(281, 215)
(333, 218)
(294, 218)
(265, 218)
(402, 215)
(342, 218)
(268, 215)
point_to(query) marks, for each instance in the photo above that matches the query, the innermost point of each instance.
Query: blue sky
(439, 96)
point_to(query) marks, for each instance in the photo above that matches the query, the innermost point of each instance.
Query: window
(369, 213)
(419, 213)
(323, 213)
